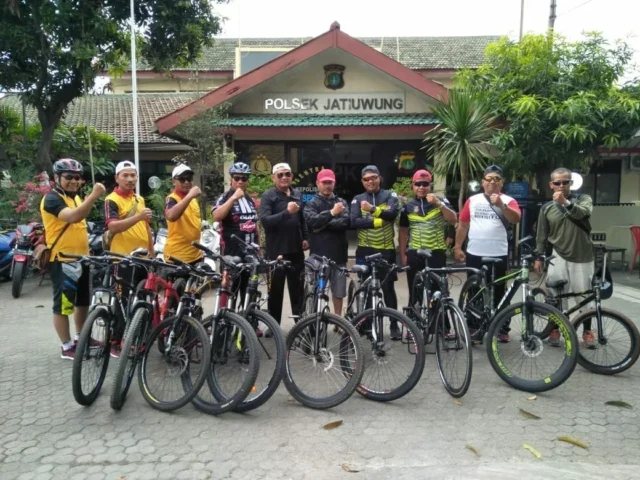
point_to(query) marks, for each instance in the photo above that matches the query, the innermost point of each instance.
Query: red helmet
(67, 165)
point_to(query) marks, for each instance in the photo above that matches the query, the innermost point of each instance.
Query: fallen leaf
(473, 449)
(332, 425)
(347, 468)
(39, 306)
(532, 397)
(529, 415)
(122, 478)
(535, 452)
(573, 441)
(457, 402)
(618, 403)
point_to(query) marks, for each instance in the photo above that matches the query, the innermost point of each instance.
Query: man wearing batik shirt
(484, 218)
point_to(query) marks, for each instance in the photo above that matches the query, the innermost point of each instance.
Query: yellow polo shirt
(183, 231)
(75, 239)
(117, 205)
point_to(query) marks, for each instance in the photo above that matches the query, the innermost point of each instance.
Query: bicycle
(108, 313)
(370, 323)
(312, 342)
(151, 309)
(438, 316)
(234, 344)
(606, 347)
(477, 303)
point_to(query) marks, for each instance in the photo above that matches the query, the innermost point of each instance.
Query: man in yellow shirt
(184, 221)
(128, 221)
(63, 215)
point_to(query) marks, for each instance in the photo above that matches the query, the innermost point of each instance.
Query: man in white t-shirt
(488, 235)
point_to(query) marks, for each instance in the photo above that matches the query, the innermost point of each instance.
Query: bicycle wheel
(352, 288)
(543, 329)
(341, 368)
(132, 347)
(617, 350)
(234, 366)
(536, 374)
(400, 363)
(186, 361)
(472, 300)
(92, 356)
(453, 349)
(422, 296)
(272, 354)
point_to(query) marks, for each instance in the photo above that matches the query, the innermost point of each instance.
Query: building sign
(333, 103)
(517, 189)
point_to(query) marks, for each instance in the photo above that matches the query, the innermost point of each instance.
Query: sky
(615, 19)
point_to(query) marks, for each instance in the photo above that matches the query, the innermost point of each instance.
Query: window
(603, 182)
(252, 58)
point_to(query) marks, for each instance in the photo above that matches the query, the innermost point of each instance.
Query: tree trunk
(48, 123)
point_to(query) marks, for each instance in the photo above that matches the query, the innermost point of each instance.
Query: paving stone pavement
(44, 434)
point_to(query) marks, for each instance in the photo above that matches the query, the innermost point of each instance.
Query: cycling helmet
(240, 167)
(67, 165)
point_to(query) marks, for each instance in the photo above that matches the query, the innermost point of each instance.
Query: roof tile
(329, 120)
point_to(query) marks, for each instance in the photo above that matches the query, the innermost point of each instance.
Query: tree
(52, 51)
(560, 100)
(460, 143)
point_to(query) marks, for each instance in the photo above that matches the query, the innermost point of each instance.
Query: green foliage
(460, 143)
(155, 200)
(53, 51)
(259, 183)
(559, 100)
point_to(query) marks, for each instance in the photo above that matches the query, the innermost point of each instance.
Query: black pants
(438, 260)
(388, 287)
(500, 271)
(294, 276)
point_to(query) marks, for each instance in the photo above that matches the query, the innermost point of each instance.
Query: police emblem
(334, 76)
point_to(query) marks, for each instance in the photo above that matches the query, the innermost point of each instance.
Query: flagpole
(134, 88)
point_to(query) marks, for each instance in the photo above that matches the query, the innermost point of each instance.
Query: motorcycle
(28, 237)
(95, 232)
(7, 242)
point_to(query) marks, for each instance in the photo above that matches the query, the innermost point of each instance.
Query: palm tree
(461, 140)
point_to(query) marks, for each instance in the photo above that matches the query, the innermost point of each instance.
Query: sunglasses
(492, 179)
(422, 184)
(240, 178)
(372, 178)
(283, 174)
(184, 179)
(70, 177)
(564, 183)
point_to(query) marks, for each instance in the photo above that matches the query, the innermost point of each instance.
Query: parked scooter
(95, 231)
(28, 237)
(7, 242)
(209, 237)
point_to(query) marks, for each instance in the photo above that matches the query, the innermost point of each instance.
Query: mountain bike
(322, 349)
(537, 373)
(438, 317)
(235, 351)
(617, 341)
(109, 312)
(400, 362)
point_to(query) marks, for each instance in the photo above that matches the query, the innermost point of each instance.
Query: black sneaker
(396, 334)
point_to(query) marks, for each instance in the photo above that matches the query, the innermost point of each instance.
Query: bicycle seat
(140, 252)
(491, 260)
(360, 269)
(313, 263)
(556, 283)
(423, 253)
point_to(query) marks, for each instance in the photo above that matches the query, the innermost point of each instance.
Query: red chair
(635, 236)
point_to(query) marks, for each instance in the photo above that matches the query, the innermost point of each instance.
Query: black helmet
(67, 165)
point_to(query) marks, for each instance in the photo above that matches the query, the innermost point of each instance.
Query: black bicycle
(437, 315)
(614, 346)
(322, 350)
(392, 368)
(524, 364)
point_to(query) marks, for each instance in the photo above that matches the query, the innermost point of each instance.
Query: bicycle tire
(356, 368)
(423, 310)
(548, 328)
(134, 336)
(352, 288)
(556, 378)
(80, 396)
(472, 282)
(418, 366)
(252, 402)
(630, 358)
(200, 339)
(226, 402)
(462, 335)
